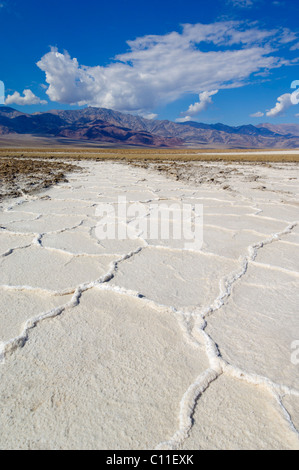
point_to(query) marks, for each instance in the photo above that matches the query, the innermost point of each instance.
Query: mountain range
(104, 126)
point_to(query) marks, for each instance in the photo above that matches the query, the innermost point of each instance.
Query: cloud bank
(29, 98)
(158, 70)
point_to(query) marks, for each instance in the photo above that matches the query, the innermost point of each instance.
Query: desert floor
(141, 343)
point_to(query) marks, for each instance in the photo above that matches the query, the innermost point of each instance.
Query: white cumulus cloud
(158, 70)
(257, 115)
(283, 103)
(184, 119)
(29, 98)
(150, 116)
(205, 99)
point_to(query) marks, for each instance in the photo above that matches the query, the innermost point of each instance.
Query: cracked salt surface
(138, 344)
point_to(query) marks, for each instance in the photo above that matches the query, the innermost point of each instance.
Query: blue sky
(230, 61)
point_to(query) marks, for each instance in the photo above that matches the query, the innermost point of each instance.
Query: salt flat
(142, 344)
(258, 152)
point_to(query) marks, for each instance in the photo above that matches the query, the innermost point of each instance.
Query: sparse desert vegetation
(25, 175)
(246, 155)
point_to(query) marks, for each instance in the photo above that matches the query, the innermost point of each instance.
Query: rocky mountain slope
(105, 125)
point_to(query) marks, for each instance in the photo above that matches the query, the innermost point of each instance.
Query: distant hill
(283, 129)
(101, 125)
